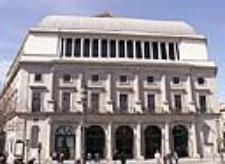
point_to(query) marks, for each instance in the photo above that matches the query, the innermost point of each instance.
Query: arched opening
(65, 141)
(124, 141)
(95, 141)
(152, 138)
(180, 140)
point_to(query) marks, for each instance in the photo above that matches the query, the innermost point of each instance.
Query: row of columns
(64, 42)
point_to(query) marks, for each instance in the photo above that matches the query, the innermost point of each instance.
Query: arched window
(34, 136)
(65, 141)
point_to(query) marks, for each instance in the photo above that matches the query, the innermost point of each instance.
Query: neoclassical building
(106, 85)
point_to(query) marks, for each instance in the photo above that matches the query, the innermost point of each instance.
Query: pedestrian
(89, 158)
(175, 156)
(157, 157)
(61, 158)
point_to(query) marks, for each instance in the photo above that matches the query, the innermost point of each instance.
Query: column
(150, 50)
(193, 139)
(136, 94)
(99, 48)
(138, 141)
(134, 49)
(82, 47)
(51, 100)
(78, 142)
(64, 47)
(166, 145)
(125, 46)
(73, 47)
(167, 51)
(109, 142)
(164, 93)
(79, 92)
(109, 93)
(142, 50)
(117, 48)
(48, 140)
(190, 95)
(91, 47)
(159, 51)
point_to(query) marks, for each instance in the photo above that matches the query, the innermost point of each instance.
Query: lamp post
(84, 105)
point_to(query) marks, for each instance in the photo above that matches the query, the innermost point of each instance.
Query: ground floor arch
(180, 140)
(95, 141)
(124, 141)
(152, 141)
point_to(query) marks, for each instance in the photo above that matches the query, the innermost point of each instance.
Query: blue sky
(208, 17)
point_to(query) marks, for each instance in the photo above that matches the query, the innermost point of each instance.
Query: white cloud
(4, 66)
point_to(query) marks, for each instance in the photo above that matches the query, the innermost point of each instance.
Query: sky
(206, 16)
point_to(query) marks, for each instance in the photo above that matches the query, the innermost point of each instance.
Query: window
(150, 79)
(34, 137)
(112, 48)
(202, 103)
(171, 51)
(86, 48)
(68, 47)
(123, 79)
(201, 81)
(177, 103)
(66, 101)
(163, 51)
(176, 80)
(66, 78)
(138, 49)
(151, 102)
(104, 48)
(62, 47)
(155, 50)
(94, 102)
(77, 47)
(130, 49)
(95, 48)
(147, 50)
(38, 77)
(36, 101)
(121, 49)
(95, 78)
(123, 102)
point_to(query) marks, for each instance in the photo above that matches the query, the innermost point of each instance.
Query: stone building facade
(109, 85)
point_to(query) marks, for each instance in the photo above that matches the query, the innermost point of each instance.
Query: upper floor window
(95, 78)
(201, 81)
(77, 47)
(104, 48)
(171, 51)
(36, 101)
(86, 49)
(155, 50)
(123, 79)
(123, 102)
(163, 50)
(95, 48)
(38, 77)
(202, 103)
(147, 50)
(150, 79)
(176, 80)
(66, 101)
(112, 48)
(68, 52)
(151, 102)
(130, 49)
(121, 49)
(94, 102)
(34, 136)
(138, 49)
(66, 78)
(177, 103)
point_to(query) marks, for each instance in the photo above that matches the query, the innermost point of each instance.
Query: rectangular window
(95, 48)
(130, 49)
(177, 103)
(147, 50)
(171, 51)
(66, 78)
(151, 103)
(66, 101)
(38, 77)
(202, 103)
(112, 48)
(94, 102)
(104, 48)
(123, 79)
(86, 48)
(121, 49)
(68, 47)
(138, 49)
(155, 50)
(95, 78)
(36, 101)
(77, 47)
(123, 103)
(163, 50)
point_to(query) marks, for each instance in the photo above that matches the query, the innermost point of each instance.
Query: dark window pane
(38, 77)
(66, 78)
(104, 48)
(150, 79)
(94, 102)
(36, 101)
(121, 49)
(201, 81)
(163, 51)
(151, 103)
(155, 50)
(95, 78)
(123, 78)
(65, 101)
(95, 48)
(77, 47)
(202, 103)
(123, 103)
(68, 47)
(130, 49)
(177, 103)
(86, 48)
(171, 51)
(62, 47)
(147, 50)
(34, 136)
(176, 80)
(113, 48)
(138, 49)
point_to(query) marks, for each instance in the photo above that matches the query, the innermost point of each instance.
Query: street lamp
(84, 105)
